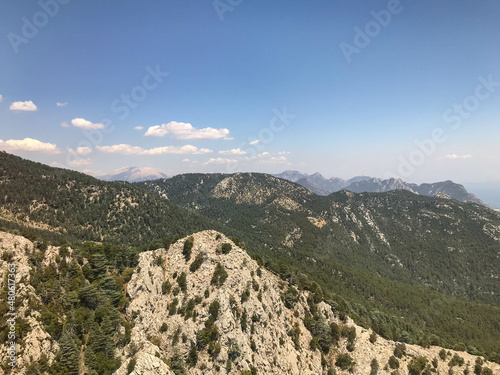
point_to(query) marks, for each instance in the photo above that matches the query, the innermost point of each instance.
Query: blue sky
(341, 87)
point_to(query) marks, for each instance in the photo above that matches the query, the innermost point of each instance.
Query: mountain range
(364, 184)
(100, 255)
(133, 174)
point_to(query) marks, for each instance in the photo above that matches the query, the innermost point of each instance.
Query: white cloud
(220, 161)
(80, 162)
(125, 149)
(275, 160)
(28, 144)
(234, 151)
(83, 150)
(255, 142)
(85, 124)
(23, 106)
(64, 124)
(138, 127)
(64, 104)
(1, 98)
(187, 149)
(182, 130)
(186, 160)
(455, 156)
(120, 149)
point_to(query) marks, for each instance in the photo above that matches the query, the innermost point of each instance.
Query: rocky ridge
(257, 327)
(32, 341)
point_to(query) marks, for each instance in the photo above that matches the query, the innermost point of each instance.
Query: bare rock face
(34, 342)
(263, 342)
(211, 309)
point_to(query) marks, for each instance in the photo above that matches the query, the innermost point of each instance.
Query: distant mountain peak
(134, 174)
(365, 184)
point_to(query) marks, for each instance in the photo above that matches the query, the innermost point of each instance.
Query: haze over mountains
(322, 186)
(365, 184)
(133, 174)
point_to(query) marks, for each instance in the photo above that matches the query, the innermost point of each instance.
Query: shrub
(181, 281)
(243, 320)
(393, 362)
(478, 366)
(213, 310)
(214, 349)
(442, 354)
(177, 364)
(344, 361)
(172, 308)
(131, 365)
(294, 333)
(226, 248)
(373, 337)
(253, 346)
(290, 297)
(197, 262)
(456, 360)
(245, 295)
(374, 367)
(219, 276)
(335, 332)
(417, 365)
(188, 246)
(192, 357)
(206, 335)
(233, 351)
(400, 350)
(166, 287)
(159, 261)
(164, 327)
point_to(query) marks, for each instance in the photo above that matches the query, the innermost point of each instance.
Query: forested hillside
(415, 269)
(447, 245)
(79, 206)
(384, 251)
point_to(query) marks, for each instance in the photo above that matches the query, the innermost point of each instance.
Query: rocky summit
(205, 307)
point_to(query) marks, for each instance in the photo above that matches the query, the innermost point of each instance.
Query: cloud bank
(182, 130)
(125, 149)
(29, 144)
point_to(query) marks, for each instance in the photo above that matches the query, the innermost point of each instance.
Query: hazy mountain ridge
(133, 174)
(364, 184)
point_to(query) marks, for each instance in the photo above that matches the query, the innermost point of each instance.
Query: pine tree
(69, 353)
(192, 357)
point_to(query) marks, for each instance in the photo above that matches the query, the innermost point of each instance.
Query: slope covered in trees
(416, 269)
(82, 207)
